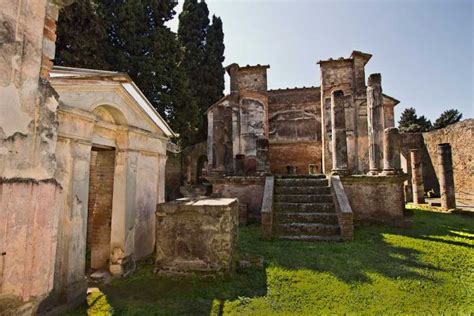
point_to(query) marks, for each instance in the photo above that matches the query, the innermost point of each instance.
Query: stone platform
(196, 236)
(378, 199)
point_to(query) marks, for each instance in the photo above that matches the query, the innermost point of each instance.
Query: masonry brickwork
(101, 184)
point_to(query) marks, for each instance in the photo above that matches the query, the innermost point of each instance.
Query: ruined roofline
(354, 53)
(217, 103)
(294, 89)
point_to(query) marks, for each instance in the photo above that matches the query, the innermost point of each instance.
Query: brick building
(295, 122)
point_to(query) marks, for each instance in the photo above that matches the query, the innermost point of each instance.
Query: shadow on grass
(391, 252)
(370, 252)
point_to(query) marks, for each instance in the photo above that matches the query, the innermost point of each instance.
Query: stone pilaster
(391, 152)
(375, 122)
(417, 176)
(262, 155)
(445, 176)
(338, 127)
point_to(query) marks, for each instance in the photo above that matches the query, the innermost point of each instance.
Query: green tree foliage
(80, 32)
(214, 58)
(202, 56)
(411, 123)
(138, 42)
(448, 117)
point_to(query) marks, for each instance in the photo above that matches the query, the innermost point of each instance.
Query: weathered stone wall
(460, 136)
(196, 236)
(248, 190)
(30, 196)
(375, 198)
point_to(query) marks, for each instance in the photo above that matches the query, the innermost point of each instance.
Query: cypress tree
(192, 31)
(131, 36)
(147, 49)
(81, 31)
(214, 58)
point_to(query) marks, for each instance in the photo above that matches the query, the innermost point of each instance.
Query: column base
(340, 172)
(391, 172)
(373, 172)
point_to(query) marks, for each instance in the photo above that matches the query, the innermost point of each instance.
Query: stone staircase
(304, 209)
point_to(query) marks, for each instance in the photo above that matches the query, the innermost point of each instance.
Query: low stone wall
(378, 199)
(196, 236)
(248, 190)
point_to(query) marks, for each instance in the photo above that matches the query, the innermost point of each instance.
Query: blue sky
(423, 48)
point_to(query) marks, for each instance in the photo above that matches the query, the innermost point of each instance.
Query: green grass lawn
(426, 269)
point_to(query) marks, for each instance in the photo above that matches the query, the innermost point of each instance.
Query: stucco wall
(30, 196)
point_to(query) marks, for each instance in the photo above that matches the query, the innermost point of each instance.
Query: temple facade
(253, 130)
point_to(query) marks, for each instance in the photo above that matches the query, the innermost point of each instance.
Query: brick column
(375, 122)
(446, 179)
(391, 152)
(338, 127)
(417, 176)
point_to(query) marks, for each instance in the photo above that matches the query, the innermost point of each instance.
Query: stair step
(304, 207)
(308, 229)
(300, 176)
(301, 217)
(299, 198)
(311, 238)
(302, 190)
(301, 182)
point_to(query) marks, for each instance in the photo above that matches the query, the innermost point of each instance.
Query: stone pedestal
(391, 152)
(338, 128)
(196, 236)
(445, 176)
(375, 122)
(417, 176)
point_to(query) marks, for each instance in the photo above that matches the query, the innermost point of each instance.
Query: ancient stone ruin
(84, 157)
(82, 165)
(338, 128)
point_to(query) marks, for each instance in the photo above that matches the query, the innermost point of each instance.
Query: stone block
(196, 236)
